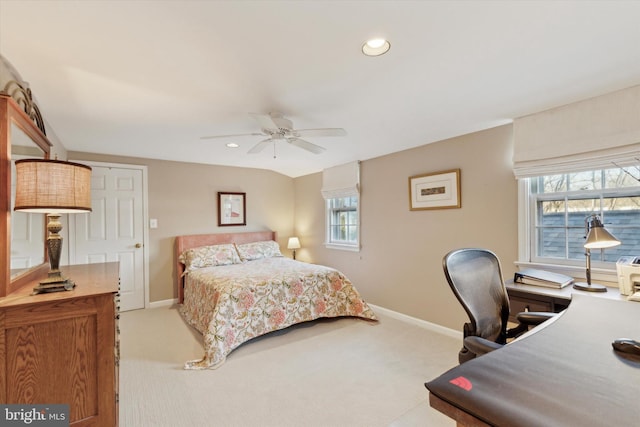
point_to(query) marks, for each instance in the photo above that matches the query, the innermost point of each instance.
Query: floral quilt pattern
(232, 304)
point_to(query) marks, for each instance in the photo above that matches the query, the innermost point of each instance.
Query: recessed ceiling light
(376, 47)
(232, 145)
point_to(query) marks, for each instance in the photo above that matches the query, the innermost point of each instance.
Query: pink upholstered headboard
(183, 243)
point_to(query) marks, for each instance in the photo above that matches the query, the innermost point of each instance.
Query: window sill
(351, 248)
(605, 276)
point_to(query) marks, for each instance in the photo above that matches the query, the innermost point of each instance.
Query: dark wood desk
(564, 374)
(538, 298)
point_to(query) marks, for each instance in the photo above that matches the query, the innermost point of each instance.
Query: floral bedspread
(232, 304)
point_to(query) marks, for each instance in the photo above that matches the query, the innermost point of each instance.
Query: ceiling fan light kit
(278, 128)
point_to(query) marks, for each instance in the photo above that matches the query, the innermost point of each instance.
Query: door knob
(138, 245)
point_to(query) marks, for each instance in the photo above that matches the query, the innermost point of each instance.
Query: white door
(114, 230)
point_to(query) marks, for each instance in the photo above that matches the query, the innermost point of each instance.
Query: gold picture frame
(437, 190)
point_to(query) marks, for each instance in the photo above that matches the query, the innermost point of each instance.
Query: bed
(233, 287)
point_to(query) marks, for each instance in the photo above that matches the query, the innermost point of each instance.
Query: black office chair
(476, 280)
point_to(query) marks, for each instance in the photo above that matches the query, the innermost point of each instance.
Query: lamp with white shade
(294, 243)
(53, 187)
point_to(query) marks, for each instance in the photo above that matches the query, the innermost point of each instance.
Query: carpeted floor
(336, 372)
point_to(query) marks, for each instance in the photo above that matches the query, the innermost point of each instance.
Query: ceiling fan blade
(232, 136)
(259, 146)
(306, 145)
(265, 121)
(308, 133)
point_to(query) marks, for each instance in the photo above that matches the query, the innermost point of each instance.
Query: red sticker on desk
(462, 382)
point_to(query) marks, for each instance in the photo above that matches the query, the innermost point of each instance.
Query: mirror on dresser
(22, 235)
(27, 228)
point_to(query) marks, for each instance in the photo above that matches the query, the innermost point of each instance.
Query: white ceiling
(149, 78)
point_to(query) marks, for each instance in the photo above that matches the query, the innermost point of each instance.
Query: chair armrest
(480, 345)
(534, 317)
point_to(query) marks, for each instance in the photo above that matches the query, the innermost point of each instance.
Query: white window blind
(586, 135)
(341, 181)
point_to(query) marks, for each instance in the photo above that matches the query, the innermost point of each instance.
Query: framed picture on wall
(438, 190)
(232, 208)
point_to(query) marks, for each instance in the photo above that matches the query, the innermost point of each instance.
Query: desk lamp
(294, 243)
(53, 187)
(597, 238)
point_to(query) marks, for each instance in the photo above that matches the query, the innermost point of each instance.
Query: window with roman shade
(341, 191)
(572, 161)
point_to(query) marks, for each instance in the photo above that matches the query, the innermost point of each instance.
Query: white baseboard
(163, 303)
(418, 322)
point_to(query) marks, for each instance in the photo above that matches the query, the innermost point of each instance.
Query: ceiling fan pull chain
(274, 149)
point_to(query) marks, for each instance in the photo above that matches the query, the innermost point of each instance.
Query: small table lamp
(53, 187)
(597, 238)
(294, 243)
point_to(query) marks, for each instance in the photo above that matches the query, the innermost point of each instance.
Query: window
(568, 164)
(341, 191)
(559, 204)
(343, 223)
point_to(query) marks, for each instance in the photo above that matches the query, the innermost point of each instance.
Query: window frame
(341, 245)
(527, 250)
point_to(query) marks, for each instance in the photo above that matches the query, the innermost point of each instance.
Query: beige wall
(400, 264)
(183, 198)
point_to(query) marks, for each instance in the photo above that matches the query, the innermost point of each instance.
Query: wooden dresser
(63, 347)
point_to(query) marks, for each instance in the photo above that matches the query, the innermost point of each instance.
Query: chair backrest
(475, 277)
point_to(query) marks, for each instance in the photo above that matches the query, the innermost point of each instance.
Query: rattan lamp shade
(52, 186)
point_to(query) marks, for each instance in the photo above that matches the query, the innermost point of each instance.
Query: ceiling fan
(276, 128)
